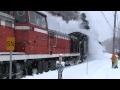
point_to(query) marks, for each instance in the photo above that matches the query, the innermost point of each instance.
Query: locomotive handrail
(15, 53)
(33, 56)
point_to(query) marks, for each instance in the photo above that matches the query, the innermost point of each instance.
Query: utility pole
(119, 38)
(114, 32)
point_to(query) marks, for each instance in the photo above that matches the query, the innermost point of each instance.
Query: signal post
(10, 46)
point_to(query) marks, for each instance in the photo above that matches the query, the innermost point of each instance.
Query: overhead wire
(117, 31)
(107, 20)
(117, 19)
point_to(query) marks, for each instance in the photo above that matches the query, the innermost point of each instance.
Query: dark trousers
(60, 75)
(112, 64)
(116, 66)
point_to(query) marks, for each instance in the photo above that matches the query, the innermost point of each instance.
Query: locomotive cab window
(37, 19)
(21, 17)
(8, 23)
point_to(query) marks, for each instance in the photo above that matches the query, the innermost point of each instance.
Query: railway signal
(10, 45)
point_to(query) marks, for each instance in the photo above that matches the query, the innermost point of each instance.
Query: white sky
(99, 24)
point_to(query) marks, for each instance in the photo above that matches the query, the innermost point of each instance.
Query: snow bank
(58, 24)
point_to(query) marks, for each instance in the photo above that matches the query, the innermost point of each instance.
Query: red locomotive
(36, 46)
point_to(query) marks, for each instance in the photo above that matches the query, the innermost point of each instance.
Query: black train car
(73, 44)
(79, 43)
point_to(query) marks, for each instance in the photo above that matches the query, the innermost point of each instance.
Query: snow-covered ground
(97, 69)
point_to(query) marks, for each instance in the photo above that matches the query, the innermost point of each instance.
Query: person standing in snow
(60, 66)
(118, 55)
(116, 61)
(113, 60)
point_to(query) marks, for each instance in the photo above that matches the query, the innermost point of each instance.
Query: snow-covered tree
(109, 44)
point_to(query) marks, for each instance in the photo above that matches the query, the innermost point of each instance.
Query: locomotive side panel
(39, 41)
(58, 42)
(31, 42)
(21, 40)
(6, 29)
(4, 33)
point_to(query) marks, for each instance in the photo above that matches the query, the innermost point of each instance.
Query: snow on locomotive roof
(6, 15)
(59, 33)
(41, 13)
(73, 37)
